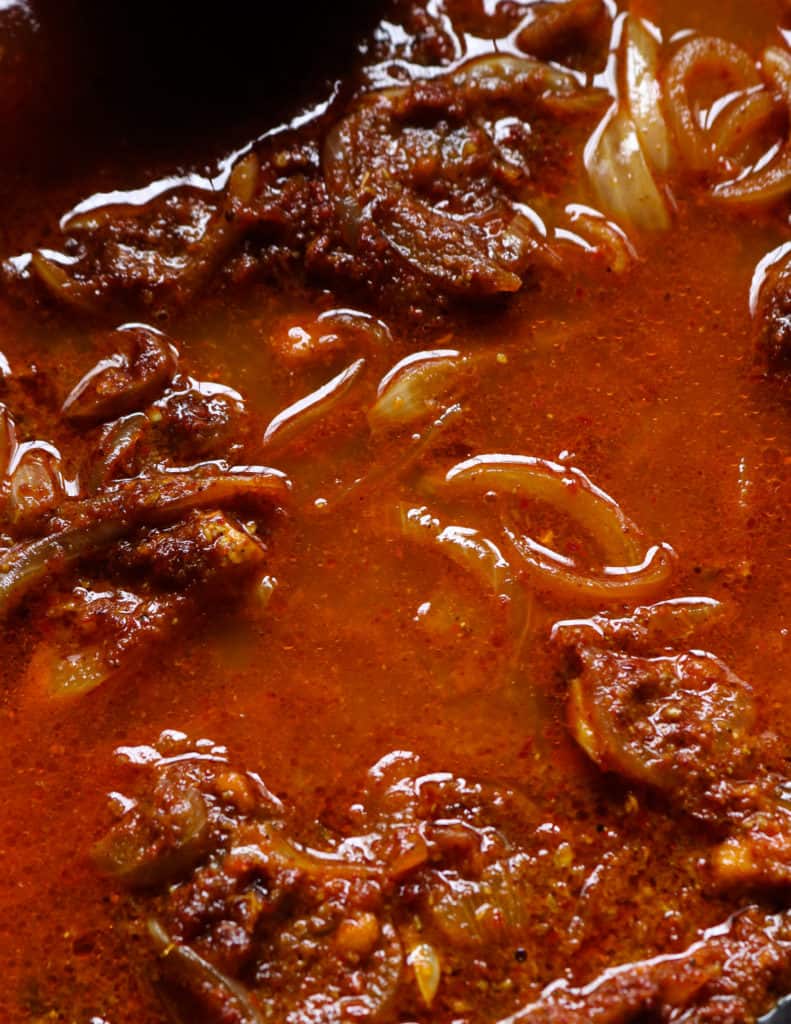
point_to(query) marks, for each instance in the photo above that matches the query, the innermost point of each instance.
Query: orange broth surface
(646, 382)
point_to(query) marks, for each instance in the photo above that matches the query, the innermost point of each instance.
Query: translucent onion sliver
(315, 406)
(613, 583)
(644, 93)
(563, 487)
(621, 177)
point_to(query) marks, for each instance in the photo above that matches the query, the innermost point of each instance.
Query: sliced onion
(409, 456)
(340, 175)
(115, 450)
(425, 963)
(302, 414)
(712, 57)
(565, 488)
(484, 76)
(191, 974)
(26, 565)
(243, 179)
(649, 627)
(774, 181)
(644, 93)
(69, 675)
(494, 909)
(413, 389)
(480, 557)
(8, 443)
(561, 578)
(162, 496)
(740, 120)
(36, 484)
(621, 177)
(606, 236)
(226, 228)
(268, 844)
(376, 332)
(81, 296)
(60, 670)
(468, 548)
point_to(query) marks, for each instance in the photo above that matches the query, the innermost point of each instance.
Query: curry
(394, 551)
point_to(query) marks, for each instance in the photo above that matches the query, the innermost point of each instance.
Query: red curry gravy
(646, 375)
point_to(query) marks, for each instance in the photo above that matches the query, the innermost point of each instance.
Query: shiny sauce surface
(377, 639)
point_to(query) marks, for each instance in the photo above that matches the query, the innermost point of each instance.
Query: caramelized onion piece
(162, 496)
(710, 57)
(269, 845)
(621, 176)
(565, 488)
(484, 76)
(26, 565)
(606, 237)
(95, 523)
(409, 456)
(305, 412)
(208, 553)
(62, 671)
(226, 228)
(374, 333)
(644, 93)
(416, 388)
(36, 485)
(127, 381)
(742, 119)
(426, 966)
(72, 675)
(81, 296)
(648, 628)
(559, 576)
(480, 557)
(488, 911)
(464, 546)
(116, 450)
(772, 182)
(8, 444)
(194, 989)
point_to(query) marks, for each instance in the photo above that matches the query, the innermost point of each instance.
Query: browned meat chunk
(717, 981)
(554, 28)
(422, 192)
(420, 887)
(685, 725)
(126, 381)
(680, 724)
(252, 923)
(425, 176)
